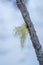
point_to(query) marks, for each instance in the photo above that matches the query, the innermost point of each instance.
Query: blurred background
(11, 52)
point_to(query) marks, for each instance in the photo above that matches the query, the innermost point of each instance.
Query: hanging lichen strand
(22, 32)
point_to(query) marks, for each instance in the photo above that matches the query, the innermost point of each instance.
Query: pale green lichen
(22, 32)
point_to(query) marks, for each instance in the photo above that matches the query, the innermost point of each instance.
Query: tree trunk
(32, 32)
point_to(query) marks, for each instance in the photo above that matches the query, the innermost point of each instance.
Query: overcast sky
(10, 17)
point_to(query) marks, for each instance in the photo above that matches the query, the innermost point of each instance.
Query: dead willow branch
(31, 29)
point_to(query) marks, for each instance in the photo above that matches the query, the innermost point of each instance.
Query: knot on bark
(40, 56)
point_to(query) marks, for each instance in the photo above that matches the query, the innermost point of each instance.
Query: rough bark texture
(32, 32)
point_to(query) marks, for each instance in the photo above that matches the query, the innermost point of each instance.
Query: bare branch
(32, 32)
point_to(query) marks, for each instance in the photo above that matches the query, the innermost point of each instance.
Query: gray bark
(31, 30)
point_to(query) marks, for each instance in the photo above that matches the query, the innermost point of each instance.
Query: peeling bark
(31, 30)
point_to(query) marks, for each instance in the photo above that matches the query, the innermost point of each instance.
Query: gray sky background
(10, 17)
